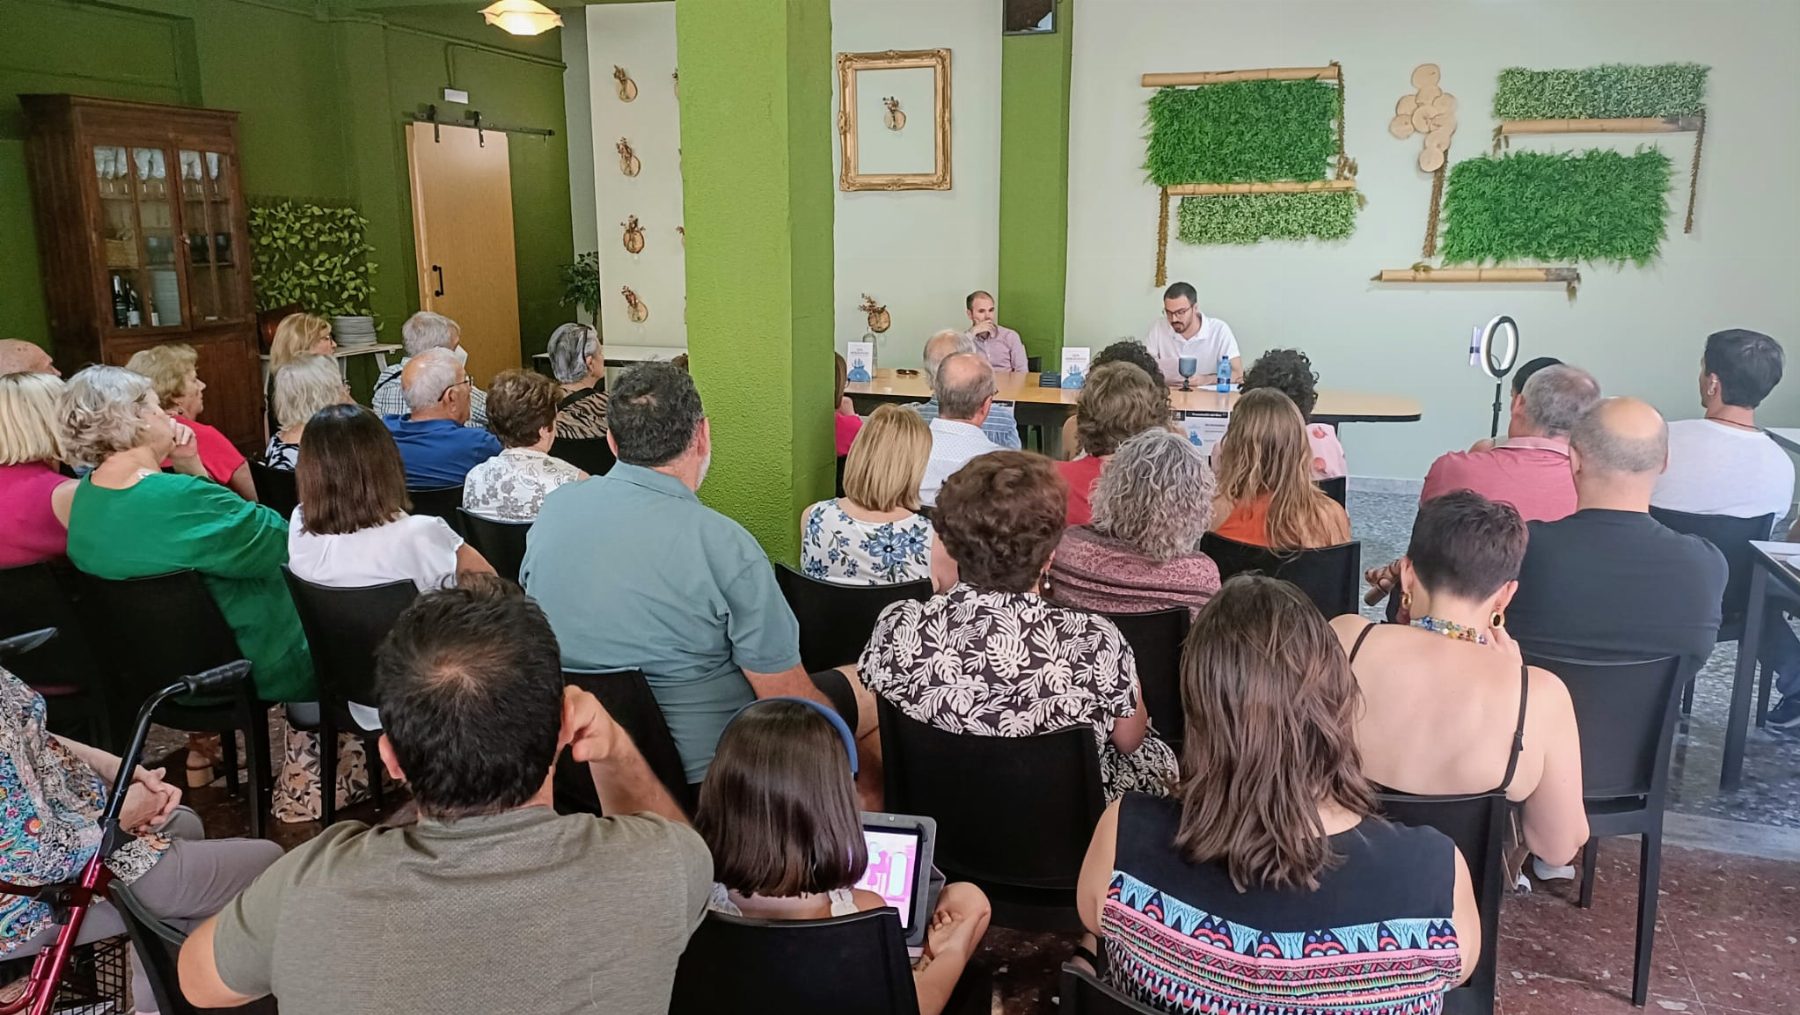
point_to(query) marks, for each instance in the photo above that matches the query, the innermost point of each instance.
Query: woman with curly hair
(1118, 402)
(1290, 372)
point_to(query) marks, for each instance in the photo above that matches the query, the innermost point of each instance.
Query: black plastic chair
(1477, 824)
(591, 455)
(845, 965)
(1014, 814)
(158, 946)
(502, 543)
(1331, 576)
(1337, 488)
(439, 502)
(1155, 640)
(344, 627)
(62, 669)
(1626, 712)
(836, 620)
(1083, 993)
(1732, 536)
(160, 628)
(840, 474)
(275, 487)
(627, 698)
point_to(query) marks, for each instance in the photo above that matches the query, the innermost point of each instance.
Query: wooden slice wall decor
(1429, 112)
(894, 118)
(635, 309)
(634, 236)
(879, 319)
(629, 164)
(627, 88)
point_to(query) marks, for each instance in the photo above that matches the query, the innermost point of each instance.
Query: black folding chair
(344, 627)
(1083, 993)
(502, 543)
(1337, 488)
(1477, 824)
(836, 620)
(161, 628)
(845, 965)
(1732, 536)
(1331, 576)
(62, 669)
(591, 455)
(1626, 712)
(1014, 814)
(840, 474)
(275, 487)
(439, 502)
(627, 698)
(1155, 640)
(158, 946)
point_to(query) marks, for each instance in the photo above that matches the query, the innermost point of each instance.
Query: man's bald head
(965, 384)
(21, 357)
(1622, 436)
(941, 347)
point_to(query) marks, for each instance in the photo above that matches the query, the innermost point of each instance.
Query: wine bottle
(134, 312)
(118, 300)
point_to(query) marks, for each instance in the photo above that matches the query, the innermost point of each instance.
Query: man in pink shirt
(1001, 345)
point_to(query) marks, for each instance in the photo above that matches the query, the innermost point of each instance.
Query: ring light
(1497, 368)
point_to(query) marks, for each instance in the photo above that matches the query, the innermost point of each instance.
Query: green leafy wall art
(1595, 206)
(310, 254)
(1610, 91)
(1252, 218)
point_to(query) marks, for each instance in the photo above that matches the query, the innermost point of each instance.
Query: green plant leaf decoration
(1242, 132)
(581, 283)
(1595, 206)
(310, 254)
(1610, 91)
(1252, 218)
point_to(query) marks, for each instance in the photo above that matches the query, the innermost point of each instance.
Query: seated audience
(1513, 725)
(965, 391)
(1000, 426)
(1126, 350)
(1609, 582)
(435, 442)
(874, 534)
(779, 812)
(510, 486)
(1119, 401)
(296, 335)
(1002, 346)
(1017, 665)
(1274, 839)
(580, 368)
(171, 370)
(421, 332)
(1266, 495)
(595, 910)
(55, 789)
(34, 494)
(636, 574)
(18, 356)
(1151, 506)
(1290, 372)
(844, 411)
(1520, 376)
(305, 385)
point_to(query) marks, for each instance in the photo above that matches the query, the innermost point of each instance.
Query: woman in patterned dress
(990, 656)
(580, 368)
(874, 534)
(510, 487)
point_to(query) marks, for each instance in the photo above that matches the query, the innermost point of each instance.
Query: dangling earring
(1406, 602)
(1497, 619)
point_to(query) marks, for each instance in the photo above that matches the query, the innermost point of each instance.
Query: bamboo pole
(1272, 187)
(1626, 125)
(1478, 275)
(1219, 77)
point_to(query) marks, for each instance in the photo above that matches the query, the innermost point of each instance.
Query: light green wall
(1034, 203)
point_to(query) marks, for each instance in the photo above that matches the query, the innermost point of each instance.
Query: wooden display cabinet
(141, 199)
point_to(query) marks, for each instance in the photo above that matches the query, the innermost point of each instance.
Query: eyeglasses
(466, 380)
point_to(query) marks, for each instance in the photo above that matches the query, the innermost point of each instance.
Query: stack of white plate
(353, 330)
(165, 295)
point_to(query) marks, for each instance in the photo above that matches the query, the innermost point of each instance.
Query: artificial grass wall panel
(1241, 132)
(1252, 218)
(1605, 92)
(1539, 206)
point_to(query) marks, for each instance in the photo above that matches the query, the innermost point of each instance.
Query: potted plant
(581, 284)
(316, 256)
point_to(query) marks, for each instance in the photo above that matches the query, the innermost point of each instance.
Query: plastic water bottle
(1224, 373)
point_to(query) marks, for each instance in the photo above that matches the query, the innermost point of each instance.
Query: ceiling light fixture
(521, 17)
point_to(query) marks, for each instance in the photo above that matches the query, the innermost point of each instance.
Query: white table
(343, 354)
(620, 355)
(1786, 436)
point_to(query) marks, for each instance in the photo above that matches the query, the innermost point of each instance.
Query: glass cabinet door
(138, 230)
(207, 215)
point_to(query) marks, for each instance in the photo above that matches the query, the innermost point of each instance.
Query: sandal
(204, 754)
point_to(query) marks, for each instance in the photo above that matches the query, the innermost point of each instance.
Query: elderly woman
(181, 392)
(297, 335)
(510, 487)
(34, 494)
(1119, 401)
(1266, 495)
(1151, 506)
(55, 790)
(580, 368)
(304, 386)
(874, 534)
(991, 656)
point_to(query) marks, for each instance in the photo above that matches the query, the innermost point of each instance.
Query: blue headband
(830, 714)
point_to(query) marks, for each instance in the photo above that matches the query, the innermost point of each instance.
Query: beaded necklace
(1450, 629)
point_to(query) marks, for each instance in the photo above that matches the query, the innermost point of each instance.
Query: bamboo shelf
(1271, 187)
(1627, 125)
(1478, 275)
(1219, 77)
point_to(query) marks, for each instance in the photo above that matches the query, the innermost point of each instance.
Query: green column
(757, 189)
(1034, 173)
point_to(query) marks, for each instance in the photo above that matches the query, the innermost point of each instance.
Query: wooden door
(463, 231)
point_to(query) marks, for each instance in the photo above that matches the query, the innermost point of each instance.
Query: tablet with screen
(899, 870)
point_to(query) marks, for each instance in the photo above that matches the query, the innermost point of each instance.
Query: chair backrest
(1025, 821)
(836, 620)
(1477, 824)
(34, 597)
(1732, 535)
(1330, 575)
(1155, 640)
(1626, 714)
(1337, 488)
(502, 543)
(343, 628)
(275, 487)
(841, 459)
(439, 502)
(158, 945)
(845, 965)
(158, 629)
(1083, 993)
(627, 698)
(589, 454)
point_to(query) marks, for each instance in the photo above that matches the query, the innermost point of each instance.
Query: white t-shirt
(1716, 469)
(1213, 340)
(421, 548)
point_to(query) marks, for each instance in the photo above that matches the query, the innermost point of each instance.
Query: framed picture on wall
(894, 120)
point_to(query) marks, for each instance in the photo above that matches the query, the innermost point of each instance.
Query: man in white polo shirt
(965, 391)
(1184, 331)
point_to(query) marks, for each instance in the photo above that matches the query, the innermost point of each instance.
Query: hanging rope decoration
(1162, 240)
(1694, 173)
(1346, 166)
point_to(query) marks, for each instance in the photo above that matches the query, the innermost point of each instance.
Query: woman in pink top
(172, 371)
(848, 422)
(34, 496)
(1290, 372)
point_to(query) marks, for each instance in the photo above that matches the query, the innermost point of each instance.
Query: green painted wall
(1034, 171)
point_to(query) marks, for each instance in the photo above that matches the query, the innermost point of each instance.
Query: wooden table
(1770, 577)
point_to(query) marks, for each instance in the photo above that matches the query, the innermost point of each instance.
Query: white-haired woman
(34, 494)
(580, 368)
(1151, 506)
(305, 385)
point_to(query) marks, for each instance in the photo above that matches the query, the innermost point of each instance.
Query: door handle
(440, 274)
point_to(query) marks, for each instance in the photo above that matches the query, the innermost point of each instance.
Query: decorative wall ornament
(1597, 205)
(910, 170)
(636, 309)
(675, 78)
(1431, 112)
(628, 160)
(627, 88)
(634, 236)
(879, 320)
(681, 231)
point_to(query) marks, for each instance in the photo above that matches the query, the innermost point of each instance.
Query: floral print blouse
(510, 487)
(838, 548)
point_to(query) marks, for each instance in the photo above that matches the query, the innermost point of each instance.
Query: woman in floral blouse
(991, 656)
(510, 486)
(874, 534)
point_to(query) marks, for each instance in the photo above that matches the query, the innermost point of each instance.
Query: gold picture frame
(850, 177)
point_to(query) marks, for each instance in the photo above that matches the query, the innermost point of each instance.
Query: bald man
(965, 391)
(1609, 581)
(21, 357)
(1000, 426)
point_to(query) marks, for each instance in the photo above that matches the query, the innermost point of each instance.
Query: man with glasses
(436, 446)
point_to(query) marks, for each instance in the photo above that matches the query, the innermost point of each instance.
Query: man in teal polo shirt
(636, 574)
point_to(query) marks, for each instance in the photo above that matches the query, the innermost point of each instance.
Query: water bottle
(1224, 373)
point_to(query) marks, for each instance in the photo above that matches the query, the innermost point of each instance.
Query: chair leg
(228, 758)
(328, 759)
(1649, 877)
(372, 756)
(1590, 855)
(260, 777)
(1763, 682)
(1687, 697)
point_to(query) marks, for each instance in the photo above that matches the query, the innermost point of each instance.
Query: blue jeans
(1779, 650)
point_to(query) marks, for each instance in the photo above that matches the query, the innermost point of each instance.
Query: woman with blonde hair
(172, 370)
(304, 386)
(297, 335)
(874, 534)
(34, 494)
(1266, 495)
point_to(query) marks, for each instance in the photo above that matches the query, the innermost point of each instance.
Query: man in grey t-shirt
(492, 902)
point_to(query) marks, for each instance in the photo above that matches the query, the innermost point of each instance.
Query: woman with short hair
(299, 335)
(35, 496)
(579, 364)
(305, 385)
(1266, 495)
(1290, 372)
(511, 486)
(874, 534)
(1151, 506)
(172, 370)
(990, 656)
(1268, 882)
(1119, 401)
